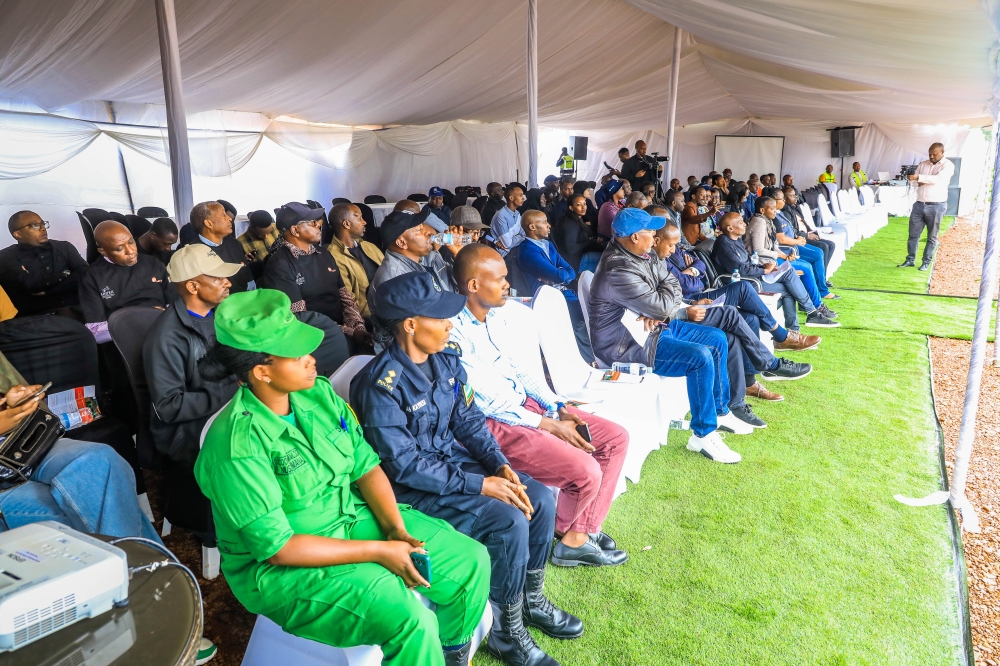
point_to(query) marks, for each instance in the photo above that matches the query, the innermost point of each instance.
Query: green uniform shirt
(268, 480)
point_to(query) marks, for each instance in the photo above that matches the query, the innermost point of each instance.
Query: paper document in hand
(774, 276)
(635, 326)
(717, 303)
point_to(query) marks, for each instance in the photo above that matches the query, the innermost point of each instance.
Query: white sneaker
(712, 447)
(729, 423)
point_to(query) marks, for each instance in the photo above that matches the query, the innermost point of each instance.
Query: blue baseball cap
(435, 192)
(633, 220)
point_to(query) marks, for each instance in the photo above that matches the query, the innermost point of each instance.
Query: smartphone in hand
(422, 563)
(584, 431)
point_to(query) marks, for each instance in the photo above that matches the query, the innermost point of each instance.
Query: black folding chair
(514, 275)
(138, 225)
(419, 197)
(375, 199)
(88, 235)
(152, 211)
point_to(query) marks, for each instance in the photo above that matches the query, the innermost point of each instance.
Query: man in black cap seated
(407, 239)
(39, 274)
(435, 202)
(121, 278)
(215, 229)
(309, 277)
(260, 236)
(158, 241)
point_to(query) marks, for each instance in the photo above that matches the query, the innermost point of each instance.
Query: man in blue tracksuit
(540, 263)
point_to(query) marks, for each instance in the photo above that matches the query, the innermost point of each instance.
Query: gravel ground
(957, 271)
(958, 265)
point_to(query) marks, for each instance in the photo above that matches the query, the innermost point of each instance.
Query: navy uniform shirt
(107, 287)
(424, 431)
(52, 268)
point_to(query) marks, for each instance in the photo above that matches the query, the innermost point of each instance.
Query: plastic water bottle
(736, 275)
(451, 239)
(755, 260)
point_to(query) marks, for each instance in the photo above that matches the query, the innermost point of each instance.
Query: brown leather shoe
(760, 392)
(798, 342)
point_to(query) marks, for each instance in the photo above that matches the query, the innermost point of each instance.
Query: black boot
(510, 642)
(542, 613)
(458, 657)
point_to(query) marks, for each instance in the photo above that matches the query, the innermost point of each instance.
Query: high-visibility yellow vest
(859, 178)
(567, 163)
(827, 178)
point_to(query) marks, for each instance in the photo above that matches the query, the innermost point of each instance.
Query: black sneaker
(907, 264)
(829, 285)
(818, 320)
(745, 413)
(787, 370)
(924, 266)
(828, 313)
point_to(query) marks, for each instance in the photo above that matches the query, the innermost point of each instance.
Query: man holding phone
(536, 430)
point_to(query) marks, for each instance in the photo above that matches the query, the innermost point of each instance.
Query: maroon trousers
(586, 481)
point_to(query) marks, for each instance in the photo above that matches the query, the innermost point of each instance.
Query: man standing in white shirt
(933, 177)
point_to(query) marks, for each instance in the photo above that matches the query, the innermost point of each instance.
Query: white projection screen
(749, 154)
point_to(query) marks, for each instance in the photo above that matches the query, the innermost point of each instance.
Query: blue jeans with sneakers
(84, 485)
(698, 353)
(814, 257)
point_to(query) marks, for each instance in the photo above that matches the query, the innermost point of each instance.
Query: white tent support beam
(532, 93)
(675, 77)
(173, 93)
(967, 431)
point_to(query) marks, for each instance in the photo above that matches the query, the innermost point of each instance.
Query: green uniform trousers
(389, 614)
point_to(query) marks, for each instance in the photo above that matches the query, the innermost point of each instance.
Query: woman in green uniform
(310, 533)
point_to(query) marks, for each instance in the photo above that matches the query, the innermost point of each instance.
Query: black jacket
(182, 400)
(634, 165)
(573, 237)
(643, 285)
(730, 255)
(54, 268)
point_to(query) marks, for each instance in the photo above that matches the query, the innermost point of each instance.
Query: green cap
(262, 321)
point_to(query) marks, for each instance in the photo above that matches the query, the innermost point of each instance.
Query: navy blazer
(539, 268)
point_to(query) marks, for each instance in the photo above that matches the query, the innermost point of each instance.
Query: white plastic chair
(847, 206)
(838, 236)
(341, 378)
(645, 409)
(831, 197)
(829, 220)
(867, 196)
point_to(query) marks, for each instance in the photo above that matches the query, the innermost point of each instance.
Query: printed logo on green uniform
(288, 463)
(386, 382)
(468, 393)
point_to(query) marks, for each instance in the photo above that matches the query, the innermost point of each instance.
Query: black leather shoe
(542, 613)
(589, 554)
(907, 264)
(604, 541)
(745, 413)
(459, 657)
(924, 266)
(510, 642)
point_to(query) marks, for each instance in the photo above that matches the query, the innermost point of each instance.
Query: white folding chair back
(826, 215)
(844, 201)
(867, 196)
(341, 378)
(807, 215)
(831, 197)
(583, 293)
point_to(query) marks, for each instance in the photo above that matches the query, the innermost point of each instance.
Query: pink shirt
(605, 216)
(933, 179)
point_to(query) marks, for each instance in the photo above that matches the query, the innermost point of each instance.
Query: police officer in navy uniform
(418, 411)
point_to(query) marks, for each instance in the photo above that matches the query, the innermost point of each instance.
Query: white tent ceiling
(603, 64)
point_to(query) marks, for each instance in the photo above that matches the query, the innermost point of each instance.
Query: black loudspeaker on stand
(578, 147)
(842, 142)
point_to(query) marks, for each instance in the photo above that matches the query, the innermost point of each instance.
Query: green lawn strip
(872, 261)
(901, 313)
(797, 555)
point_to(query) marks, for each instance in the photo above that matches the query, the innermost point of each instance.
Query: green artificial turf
(799, 554)
(873, 260)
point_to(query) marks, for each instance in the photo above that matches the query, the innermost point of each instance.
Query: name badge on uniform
(288, 463)
(419, 405)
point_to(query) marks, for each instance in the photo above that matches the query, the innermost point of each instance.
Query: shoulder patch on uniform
(388, 380)
(468, 393)
(454, 348)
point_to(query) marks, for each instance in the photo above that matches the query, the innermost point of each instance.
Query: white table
(897, 198)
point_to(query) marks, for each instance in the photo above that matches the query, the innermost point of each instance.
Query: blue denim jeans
(808, 281)
(744, 298)
(84, 485)
(698, 353)
(814, 257)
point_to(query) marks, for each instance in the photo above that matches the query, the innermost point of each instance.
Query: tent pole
(532, 93)
(675, 77)
(967, 432)
(173, 93)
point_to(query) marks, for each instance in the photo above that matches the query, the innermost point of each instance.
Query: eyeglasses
(315, 224)
(34, 226)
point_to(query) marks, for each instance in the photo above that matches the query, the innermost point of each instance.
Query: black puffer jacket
(643, 285)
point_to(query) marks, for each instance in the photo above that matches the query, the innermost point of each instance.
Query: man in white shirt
(536, 430)
(933, 177)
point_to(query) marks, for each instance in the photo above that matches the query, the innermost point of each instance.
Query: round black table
(161, 626)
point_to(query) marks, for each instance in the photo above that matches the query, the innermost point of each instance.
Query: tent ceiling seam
(731, 96)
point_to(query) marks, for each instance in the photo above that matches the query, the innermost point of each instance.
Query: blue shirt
(506, 228)
(540, 263)
(500, 387)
